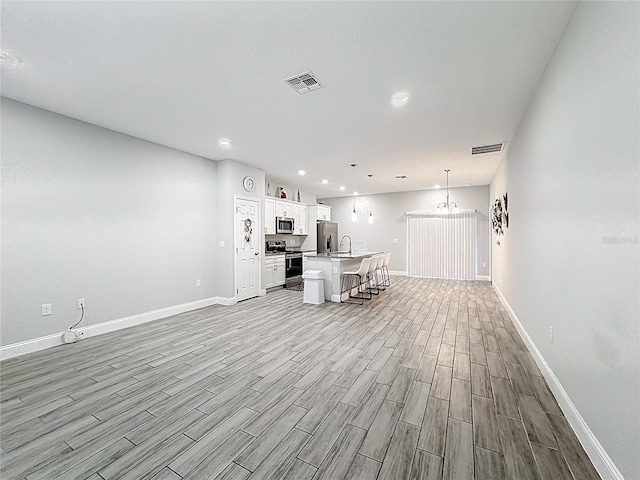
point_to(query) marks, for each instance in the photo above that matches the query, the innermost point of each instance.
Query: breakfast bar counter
(332, 266)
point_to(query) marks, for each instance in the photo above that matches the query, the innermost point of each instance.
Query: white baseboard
(37, 344)
(483, 278)
(398, 272)
(596, 452)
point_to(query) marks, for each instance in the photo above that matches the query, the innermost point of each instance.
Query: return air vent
(497, 147)
(304, 82)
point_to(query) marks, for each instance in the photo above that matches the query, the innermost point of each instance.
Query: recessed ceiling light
(342, 189)
(399, 99)
(436, 187)
(325, 181)
(224, 143)
(301, 172)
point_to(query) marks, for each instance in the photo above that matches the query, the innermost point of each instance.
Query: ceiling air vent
(304, 82)
(497, 147)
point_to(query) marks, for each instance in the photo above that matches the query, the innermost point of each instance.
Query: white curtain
(442, 246)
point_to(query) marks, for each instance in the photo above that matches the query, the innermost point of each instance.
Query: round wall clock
(249, 184)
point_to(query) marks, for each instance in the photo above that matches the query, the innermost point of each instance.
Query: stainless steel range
(293, 261)
(293, 267)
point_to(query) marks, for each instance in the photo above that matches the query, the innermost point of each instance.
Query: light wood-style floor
(430, 380)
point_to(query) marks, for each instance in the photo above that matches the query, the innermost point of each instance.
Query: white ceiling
(185, 74)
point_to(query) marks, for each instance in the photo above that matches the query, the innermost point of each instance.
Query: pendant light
(370, 213)
(447, 207)
(354, 215)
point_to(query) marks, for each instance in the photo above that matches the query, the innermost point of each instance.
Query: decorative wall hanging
(500, 215)
(248, 230)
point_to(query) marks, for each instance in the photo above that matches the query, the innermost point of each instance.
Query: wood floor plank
(299, 470)
(401, 385)
(416, 403)
(485, 424)
(518, 457)
(460, 402)
(255, 453)
(441, 386)
(496, 365)
(480, 381)
(398, 460)
(433, 433)
(363, 468)
(219, 459)
(489, 465)
(379, 434)
(426, 466)
(535, 422)
(427, 368)
(260, 422)
(281, 457)
(82, 462)
(322, 440)
(339, 459)
(365, 414)
(551, 463)
(575, 456)
(462, 366)
(458, 456)
(505, 400)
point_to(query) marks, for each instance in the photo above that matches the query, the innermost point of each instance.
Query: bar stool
(356, 279)
(380, 280)
(371, 274)
(385, 270)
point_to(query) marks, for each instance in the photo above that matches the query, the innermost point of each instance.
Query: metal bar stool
(372, 285)
(356, 279)
(380, 280)
(385, 270)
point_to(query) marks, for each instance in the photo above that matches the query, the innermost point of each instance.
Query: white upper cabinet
(285, 208)
(269, 216)
(324, 212)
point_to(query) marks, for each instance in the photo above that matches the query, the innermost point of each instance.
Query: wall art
(500, 215)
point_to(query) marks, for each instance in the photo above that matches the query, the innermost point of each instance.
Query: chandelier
(447, 207)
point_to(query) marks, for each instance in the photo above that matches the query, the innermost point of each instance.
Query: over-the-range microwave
(284, 225)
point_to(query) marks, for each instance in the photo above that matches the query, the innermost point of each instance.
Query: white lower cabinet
(273, 271)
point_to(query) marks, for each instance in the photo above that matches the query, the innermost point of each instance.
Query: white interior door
(247, 219)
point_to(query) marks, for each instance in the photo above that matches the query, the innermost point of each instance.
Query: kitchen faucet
(343, 237)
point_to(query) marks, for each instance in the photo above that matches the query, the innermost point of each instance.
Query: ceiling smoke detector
(304, 82)
(496, 147)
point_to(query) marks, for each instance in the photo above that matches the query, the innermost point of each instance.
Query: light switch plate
(46, 309)
(221, 243)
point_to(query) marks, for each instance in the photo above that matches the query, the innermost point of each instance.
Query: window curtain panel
(442, 246)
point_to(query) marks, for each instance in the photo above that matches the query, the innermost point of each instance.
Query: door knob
(257, 253)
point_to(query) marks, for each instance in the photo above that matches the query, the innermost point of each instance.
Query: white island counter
(332, 265)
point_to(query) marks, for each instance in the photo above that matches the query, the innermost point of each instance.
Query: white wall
(230, 177)
(90, 213)
(570, 258)
(390, 221)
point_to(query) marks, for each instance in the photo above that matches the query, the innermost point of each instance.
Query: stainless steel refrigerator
(327, 237)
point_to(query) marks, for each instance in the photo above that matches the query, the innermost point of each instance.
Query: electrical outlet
(198, 283)
(46, 309)
(484, 265)
(335, 269)
(395, 240)
(550, 333)
(81, 303)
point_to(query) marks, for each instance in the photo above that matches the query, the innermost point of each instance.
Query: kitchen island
(332, 266)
